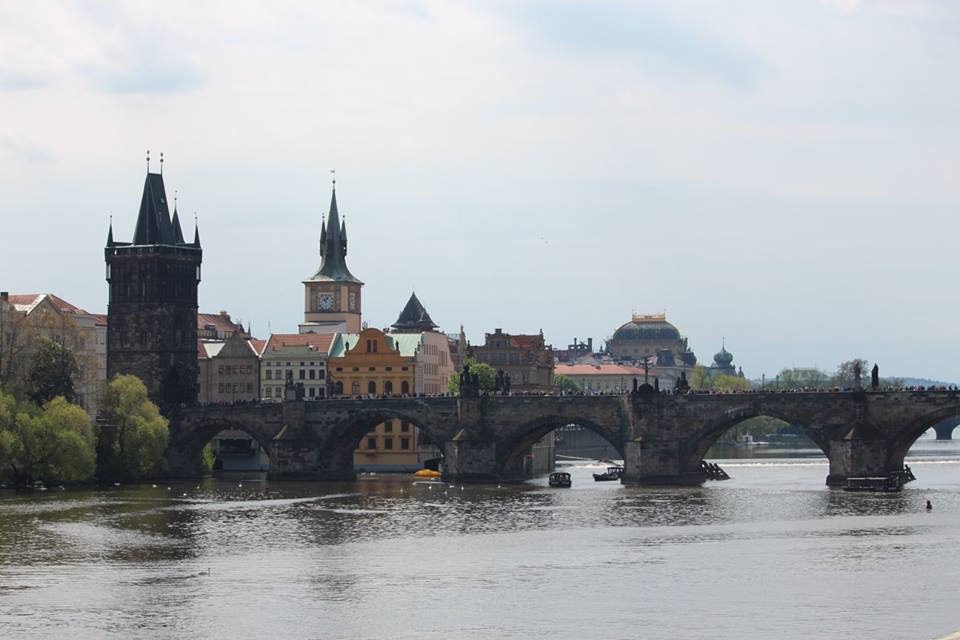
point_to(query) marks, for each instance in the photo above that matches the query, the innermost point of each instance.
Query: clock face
(325, 302)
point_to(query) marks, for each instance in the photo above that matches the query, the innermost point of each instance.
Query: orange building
(375, 363)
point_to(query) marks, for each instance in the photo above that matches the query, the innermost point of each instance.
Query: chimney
(590, 344)
(4, 296)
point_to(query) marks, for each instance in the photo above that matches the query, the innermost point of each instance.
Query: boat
(560, 479)
(427, 473)
(612, 473)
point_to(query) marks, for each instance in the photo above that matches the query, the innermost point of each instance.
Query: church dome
(723, 358)
(653, 327)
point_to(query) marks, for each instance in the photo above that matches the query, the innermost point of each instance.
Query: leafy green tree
(55, 443)
(846, 375)
(564, 383)
(799, 378)
(723, 382)
(699, 378)
(52, 372)
(138, 434)
(488, 376)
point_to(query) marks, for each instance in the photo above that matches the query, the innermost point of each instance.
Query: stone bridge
(661, 437)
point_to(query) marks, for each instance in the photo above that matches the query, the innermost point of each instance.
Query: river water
(771, 553)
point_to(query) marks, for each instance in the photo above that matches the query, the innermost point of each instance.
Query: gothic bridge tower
(332, 295)
(152, 310)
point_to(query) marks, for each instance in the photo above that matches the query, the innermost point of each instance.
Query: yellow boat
(427, 473)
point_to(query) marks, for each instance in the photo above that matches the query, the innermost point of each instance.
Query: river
(771, 553)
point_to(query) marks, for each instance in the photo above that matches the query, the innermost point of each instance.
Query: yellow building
(375, 363)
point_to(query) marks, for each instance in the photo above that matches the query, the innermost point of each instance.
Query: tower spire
(110, 233)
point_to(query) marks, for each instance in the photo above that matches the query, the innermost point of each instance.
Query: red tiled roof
(319, 341)
(524, 341)
(34, 298)
(100, 319)
(221, 321)
(257, 345)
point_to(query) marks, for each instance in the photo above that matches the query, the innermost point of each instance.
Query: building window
(303, 374)
(371, 369)
(312, 392)
(338, 388)
(404, 387)
(372, 387)
(321, 374)
(269, 374)
(388, 387)
(371, 443)
(404, 443)
(388, 426)
(313, 374)
(405, 427)
(388, 443)
(355, 388)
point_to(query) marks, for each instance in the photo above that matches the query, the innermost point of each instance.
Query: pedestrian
(929, 506)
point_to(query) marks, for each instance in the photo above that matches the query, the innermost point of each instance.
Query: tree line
(45, 437)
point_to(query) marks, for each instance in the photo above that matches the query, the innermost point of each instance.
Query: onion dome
(723, 358)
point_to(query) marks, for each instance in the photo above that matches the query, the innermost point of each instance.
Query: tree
(700, 378)
(847, 373)
(488, 376)
(52, 372)
(137, 435)
(54, 443)
(723, 382)
(563, 383)
(800, 378)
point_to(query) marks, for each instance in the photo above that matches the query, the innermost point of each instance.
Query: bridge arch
(714, 430)
(511, 450)
(384, 432)
(909, 435)
(191, 434)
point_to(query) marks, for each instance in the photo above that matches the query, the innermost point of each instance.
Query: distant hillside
(925, 382)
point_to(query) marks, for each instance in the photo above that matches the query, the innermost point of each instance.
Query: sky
(782, 176)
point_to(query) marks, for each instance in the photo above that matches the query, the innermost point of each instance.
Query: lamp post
(763, 381)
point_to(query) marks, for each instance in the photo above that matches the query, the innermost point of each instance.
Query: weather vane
(148, 160)
(333, 172)
(161, 163)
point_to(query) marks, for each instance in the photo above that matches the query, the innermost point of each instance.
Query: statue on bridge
(875, 377)
(857, 375)
(681, 386)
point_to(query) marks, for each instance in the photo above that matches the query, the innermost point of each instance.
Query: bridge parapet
(662, 437)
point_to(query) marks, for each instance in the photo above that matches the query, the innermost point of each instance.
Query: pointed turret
(343, 235)
(414, 318)
(177, 231)
(110, 234)
(153, 221)
(333, 248)
(196, 234)
(323, 236)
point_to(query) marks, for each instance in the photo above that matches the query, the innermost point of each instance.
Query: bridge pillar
(857, 457)
(651, 462)
(945, 428)
(470, 460)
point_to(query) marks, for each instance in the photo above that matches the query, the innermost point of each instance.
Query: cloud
(642, 34)
(18, 81)
(13, 150)
(147, 76)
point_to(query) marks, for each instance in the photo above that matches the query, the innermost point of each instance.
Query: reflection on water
(770, 553)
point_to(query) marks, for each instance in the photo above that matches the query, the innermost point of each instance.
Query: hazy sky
(784, 174)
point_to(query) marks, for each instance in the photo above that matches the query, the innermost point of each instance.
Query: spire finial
(161, 163)
(176, 192)
(333, 174)
(148, 160)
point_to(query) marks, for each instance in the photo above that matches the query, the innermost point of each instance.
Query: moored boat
(560, 479)
(612, 473)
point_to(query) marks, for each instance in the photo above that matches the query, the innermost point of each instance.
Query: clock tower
(332, 295)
